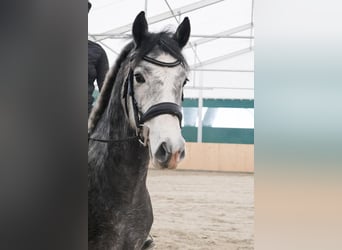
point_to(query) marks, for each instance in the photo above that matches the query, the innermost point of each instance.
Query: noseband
(155, 110)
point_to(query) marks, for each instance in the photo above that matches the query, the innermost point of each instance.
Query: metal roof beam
(129, 36)
(164, 16)
(224, 70)
(224, 34)
(103, 44)
(215, 87)
(223, 57)
(178, 21)
(214, 37)
(252, 21)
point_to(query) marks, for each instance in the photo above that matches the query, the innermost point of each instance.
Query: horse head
(153, 91)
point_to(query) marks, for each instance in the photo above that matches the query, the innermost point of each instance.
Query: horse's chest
(131, 227)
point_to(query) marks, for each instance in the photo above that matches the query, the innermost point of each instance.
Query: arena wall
(219, 157)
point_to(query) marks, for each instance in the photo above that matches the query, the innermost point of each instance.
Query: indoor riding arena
(210, 208)
(207, 202)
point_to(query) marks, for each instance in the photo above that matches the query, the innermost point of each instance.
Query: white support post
(146, 7)
(200, 109)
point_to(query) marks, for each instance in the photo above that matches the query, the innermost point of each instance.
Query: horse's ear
(183, 33)
(140, 28)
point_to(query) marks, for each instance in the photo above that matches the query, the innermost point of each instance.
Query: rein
(112, 140)
(155, 110)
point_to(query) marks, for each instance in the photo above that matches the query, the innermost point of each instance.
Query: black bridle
(155, 110)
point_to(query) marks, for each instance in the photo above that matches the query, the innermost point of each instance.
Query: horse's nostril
(163, 153)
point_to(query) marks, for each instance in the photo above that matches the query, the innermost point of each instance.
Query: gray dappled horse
(136, 119)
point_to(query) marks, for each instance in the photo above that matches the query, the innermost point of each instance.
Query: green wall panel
(190, 134)
(219, 103)
(216, 135)
(220, 135)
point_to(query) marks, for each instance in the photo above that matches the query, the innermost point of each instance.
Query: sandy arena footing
(202, 210)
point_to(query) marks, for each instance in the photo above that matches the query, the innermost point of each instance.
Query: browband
(160, 63)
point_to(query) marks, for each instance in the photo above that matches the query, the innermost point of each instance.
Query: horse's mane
(165, 43)
(107, 87)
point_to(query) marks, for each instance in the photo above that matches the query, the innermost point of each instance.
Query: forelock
(162, 41)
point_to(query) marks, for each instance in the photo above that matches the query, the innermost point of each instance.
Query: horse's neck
(113, 124)
(117, 166)
(117, 170)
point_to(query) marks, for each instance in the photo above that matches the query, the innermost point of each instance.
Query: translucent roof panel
(220, 52)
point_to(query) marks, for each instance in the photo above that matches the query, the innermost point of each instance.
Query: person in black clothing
(97, 68)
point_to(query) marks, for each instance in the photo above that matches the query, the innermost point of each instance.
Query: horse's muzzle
(167, 157)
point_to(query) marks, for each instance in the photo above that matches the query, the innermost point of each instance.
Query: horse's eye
(139, 78)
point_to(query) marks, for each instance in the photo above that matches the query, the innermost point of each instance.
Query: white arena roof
(220, 52)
